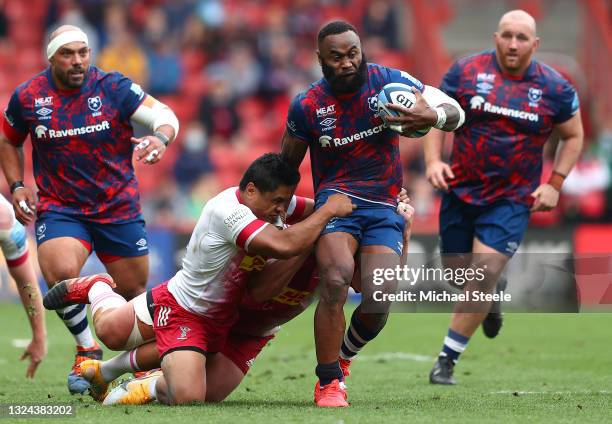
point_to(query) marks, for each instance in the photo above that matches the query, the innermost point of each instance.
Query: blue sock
(454, 345)
(329, 372)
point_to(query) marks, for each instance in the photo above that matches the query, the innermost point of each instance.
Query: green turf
(542, 368)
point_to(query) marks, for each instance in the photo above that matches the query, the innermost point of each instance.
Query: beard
(343, 85)
(68, 80)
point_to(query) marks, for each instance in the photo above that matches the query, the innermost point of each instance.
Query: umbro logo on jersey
(326, 110)
(328, 124)
(142, 244)
(162, 316)
(44, 112)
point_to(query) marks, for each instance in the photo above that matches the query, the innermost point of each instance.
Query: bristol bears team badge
(94, 103)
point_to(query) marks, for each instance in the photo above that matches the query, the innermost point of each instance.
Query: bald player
(512, 104)
(79, 119)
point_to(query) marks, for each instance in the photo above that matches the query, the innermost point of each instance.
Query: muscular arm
(299, 238)
(546, 196)
(11, 159)
(293, 149)
(570, 145)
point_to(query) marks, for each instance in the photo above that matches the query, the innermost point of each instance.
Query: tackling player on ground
(513, 103)
(79, 121)
(194, 311)
(352, 152)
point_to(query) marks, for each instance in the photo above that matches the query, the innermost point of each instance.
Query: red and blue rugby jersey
(497, 153)
(350, 149)
(82, 153)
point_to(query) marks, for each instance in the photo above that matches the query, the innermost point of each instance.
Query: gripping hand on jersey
(418, 117)
(24, 204)
(150, 148)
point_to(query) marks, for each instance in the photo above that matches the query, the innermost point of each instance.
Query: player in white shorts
(14, 243)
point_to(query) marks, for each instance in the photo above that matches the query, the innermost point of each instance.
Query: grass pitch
(541, 368)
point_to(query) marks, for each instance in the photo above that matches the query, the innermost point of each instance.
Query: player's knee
(334, 290)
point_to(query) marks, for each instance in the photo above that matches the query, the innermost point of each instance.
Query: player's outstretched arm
(23, 198)
(293, 149)
(31, 298)
(571, 134)
(299, 238)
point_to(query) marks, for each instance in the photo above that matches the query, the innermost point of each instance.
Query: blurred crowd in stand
(229, 70)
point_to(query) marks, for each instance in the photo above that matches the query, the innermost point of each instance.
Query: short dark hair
(268, 172)
(334, 27)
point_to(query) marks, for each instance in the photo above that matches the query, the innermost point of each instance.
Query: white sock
(119, 365)
(102, 296)
(153, 388)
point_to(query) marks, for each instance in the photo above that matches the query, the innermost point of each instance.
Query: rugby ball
(399, 94)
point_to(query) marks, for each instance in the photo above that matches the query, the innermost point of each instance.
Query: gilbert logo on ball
(398, 94)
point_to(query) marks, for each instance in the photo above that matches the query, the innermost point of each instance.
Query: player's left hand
(36, 351)
(418, 117)
(405, 209)
(545, 197)
(150, 148)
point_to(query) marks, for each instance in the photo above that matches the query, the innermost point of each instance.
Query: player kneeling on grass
(194, 311)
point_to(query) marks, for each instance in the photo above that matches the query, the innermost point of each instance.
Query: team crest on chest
(95, 104)
(534, 95)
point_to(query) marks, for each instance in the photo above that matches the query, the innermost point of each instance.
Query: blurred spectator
(218, 111)
(193, 159)
(164, 64)
(240, 70)
(124, 54)
(380, 21)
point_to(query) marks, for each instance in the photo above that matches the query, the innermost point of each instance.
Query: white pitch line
(519, 392)
(20, 343)
(396, 355)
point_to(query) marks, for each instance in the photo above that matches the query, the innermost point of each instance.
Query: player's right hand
(24, 204)
(436, 174)
(36, 351)
(340, 205)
